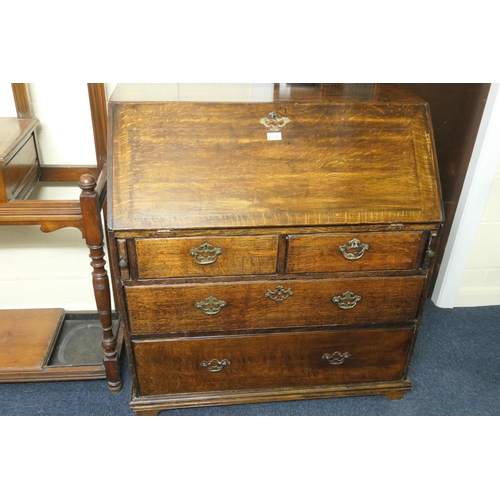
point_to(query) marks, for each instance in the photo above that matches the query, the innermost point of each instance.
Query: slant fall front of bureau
(270, 242)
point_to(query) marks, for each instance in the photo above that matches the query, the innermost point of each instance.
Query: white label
(274, 136)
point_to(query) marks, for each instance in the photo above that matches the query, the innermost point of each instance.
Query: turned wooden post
(22, 100)
(91, 212)
(98, 112)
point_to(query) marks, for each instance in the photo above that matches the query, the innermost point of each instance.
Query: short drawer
(265, 361)
(272, 304)
(353, 252)
(207, 256)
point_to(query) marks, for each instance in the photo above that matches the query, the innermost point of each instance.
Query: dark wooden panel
(278, 360)
(173, 308)
(21, 173)
(456, 112)
(321, 254)
(170, 257)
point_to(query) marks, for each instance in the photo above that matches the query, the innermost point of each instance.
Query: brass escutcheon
(215, 365)
(206, 254)
(347, 300)
(211, 305)
(356, 245)
(280, 294)
(336, 358)
(274, 122)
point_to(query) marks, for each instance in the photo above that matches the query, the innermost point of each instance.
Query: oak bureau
(269, 242)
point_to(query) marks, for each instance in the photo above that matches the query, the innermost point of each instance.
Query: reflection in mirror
(348, 91)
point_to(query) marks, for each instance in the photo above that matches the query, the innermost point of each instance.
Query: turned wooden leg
(93, 234)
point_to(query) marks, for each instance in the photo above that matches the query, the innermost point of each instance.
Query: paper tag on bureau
(274, 136)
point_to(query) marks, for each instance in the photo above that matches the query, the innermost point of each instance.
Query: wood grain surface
(321, 254)
(240, 255)
(283, 360)
(27, 337)
(199, 164)
(172, 308)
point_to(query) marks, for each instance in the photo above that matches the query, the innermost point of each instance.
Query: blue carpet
(455, 371)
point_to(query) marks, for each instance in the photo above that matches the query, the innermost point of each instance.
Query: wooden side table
(27, 337)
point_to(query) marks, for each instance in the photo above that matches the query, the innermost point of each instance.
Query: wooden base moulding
(152, 406)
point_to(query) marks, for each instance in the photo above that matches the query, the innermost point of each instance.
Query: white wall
(7, 106)
(65, 133)
(53, 270)
(480, 283)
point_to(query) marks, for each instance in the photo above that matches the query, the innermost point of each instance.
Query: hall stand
(28, 337)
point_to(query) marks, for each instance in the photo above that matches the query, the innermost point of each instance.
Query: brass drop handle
(354, 250)
(279, 294)
(215, 365)
(274, 122)
(211, 305)
(206, 254)
(347, 300)
(337, 358)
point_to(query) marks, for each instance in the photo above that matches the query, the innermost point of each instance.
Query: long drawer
(272, 304)
(276, 360)
(328, 253)
(208, 256)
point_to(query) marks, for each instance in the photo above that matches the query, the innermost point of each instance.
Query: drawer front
(277, 360)
(211, 256)
(353, 252)
(272, 304)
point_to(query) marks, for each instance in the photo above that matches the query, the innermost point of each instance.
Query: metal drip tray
(79, 341)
